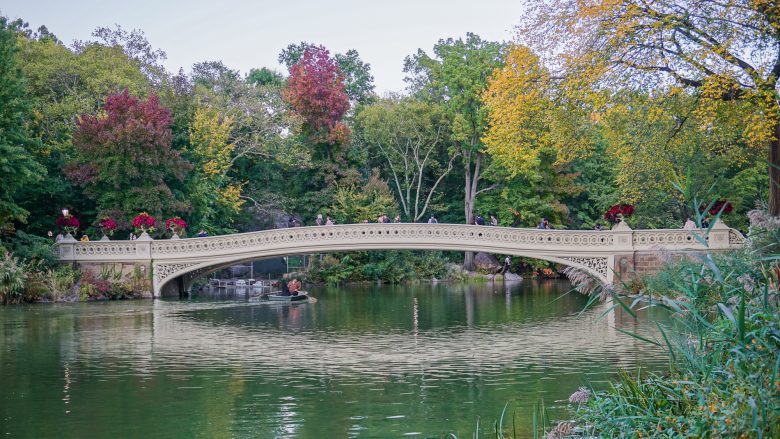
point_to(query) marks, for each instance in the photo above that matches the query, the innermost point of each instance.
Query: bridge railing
(342, 237)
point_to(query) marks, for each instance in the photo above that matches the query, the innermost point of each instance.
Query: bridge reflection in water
(376, 361)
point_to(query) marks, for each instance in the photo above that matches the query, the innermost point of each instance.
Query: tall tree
(135, 45)
(724, 50)
(125, 157)
(265, 76)
(263, 126)
(215, 198)
(358, 81)
(410, 138)
(520, 103)
(17, 164)
(456, 76)
(61, 85)
(315, 90)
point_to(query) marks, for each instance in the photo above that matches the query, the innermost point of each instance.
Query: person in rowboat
(285, 289)
(294, 287)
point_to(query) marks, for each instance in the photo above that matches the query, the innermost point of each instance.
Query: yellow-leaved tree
(531, 117)
(722, 51)
(518, 102)
(215, 198)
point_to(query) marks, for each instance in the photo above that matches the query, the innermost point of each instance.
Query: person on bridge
(397, 219)
(479, 220)
(329, 221)
(433, 220)
(517, 218)
(544, 224)
(203, 234)
(319, 221)
(493, 220)
(597, 227)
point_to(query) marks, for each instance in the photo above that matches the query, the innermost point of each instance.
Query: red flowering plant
(106, 225)
(68, 223)
(618, 212)
(717, 207)
(144, 222)
(176, 225)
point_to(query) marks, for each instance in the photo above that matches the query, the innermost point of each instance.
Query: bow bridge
(175, 263)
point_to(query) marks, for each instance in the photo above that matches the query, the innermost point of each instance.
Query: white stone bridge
(175, 263)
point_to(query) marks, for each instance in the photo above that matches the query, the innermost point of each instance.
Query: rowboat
(275, 296)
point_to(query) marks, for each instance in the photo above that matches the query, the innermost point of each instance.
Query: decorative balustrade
(593, 251)
(424, 235)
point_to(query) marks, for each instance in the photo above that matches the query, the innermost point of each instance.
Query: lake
(370, 361)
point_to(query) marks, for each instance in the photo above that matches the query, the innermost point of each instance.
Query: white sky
(247, 34)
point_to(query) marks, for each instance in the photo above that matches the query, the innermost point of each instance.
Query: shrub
(723, 346)
(391, 267)
(13, 277)
(60, 281)
(31, 248)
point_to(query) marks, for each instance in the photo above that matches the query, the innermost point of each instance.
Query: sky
(250, 34)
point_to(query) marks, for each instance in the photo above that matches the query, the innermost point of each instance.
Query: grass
(723, 343)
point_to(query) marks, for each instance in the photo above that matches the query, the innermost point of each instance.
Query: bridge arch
(182, 275)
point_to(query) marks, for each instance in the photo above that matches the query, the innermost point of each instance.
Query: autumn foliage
(518, 106)
(618, 211)
(316, 91)
(126, 161)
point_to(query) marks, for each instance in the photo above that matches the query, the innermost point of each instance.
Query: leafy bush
(390, 267)
(60, 281)
(723, 346)
(13, 278)
(108, 284)
(32, 248)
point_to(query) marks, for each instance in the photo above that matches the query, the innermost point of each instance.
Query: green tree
(410, 138)
(215, 199)
(355, 204)
(456, 77)
(17, 164)
(265, 76)
(61, 85)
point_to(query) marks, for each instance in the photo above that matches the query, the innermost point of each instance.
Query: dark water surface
(392, 361)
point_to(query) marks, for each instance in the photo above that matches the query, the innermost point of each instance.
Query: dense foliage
(541, 128)
(124, 157)
(723, 345)
(17, 164)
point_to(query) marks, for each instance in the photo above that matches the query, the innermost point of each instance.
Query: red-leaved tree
(315, 90)
(125, 160)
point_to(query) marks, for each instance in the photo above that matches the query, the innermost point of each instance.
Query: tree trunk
(468, 205)
(774, 173)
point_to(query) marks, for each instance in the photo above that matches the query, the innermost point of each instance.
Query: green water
(392, 361)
